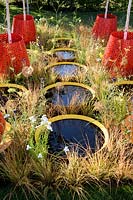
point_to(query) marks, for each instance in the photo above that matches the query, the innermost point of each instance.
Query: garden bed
(30, 167)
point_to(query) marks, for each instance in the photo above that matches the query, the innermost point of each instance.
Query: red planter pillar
(25, 28)
(118, 55)
(4, 62)
(103, 27)
(2, 125)
(14, 54)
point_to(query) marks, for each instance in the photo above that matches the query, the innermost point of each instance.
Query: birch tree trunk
(127, 19)
(8, 22)
(106, 9)
(27, 5)
(24, 11)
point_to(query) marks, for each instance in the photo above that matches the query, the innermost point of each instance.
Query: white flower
(45, 122)
(32, 119)
(49, 127)
(66, 149)
(44, 119)
(98, 59)
(49, 123)
(42, 123)
(6, 116)
(39, 155)
(28, 147)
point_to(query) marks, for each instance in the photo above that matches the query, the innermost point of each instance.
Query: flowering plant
(38, 142)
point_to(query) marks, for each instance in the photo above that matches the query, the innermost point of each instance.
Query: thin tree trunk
(106, 9)
(8, 22)
(24, 12)
(127, 19)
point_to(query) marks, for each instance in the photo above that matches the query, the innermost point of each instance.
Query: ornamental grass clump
(86, 108)
(73, 175)
(112, 107)
(15, 164)
(120, 154)
(45, 174)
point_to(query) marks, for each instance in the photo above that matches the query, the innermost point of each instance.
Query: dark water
(65, 55)
(63, 43)
(66, 95)
(76, 134)
(8, 93)
(66, 70)
(126, 88)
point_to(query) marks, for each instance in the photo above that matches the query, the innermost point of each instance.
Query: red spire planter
(2, 125)
(26, 28)
(14, 55)
(4, 60)
(103, 27)
(118, 55)
(5, 139)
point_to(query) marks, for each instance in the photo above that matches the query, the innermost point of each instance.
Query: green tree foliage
(88, 5)
(116, 5)
(84, 4)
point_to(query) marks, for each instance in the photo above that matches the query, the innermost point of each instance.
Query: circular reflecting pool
(67, 95)
(67, 70)
(77, 135)
(64, 54)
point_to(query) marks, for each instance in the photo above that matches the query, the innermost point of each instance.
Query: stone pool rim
(12, 85)
(56, 39)
(63, 49)
(124, 82)
(61, 38)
